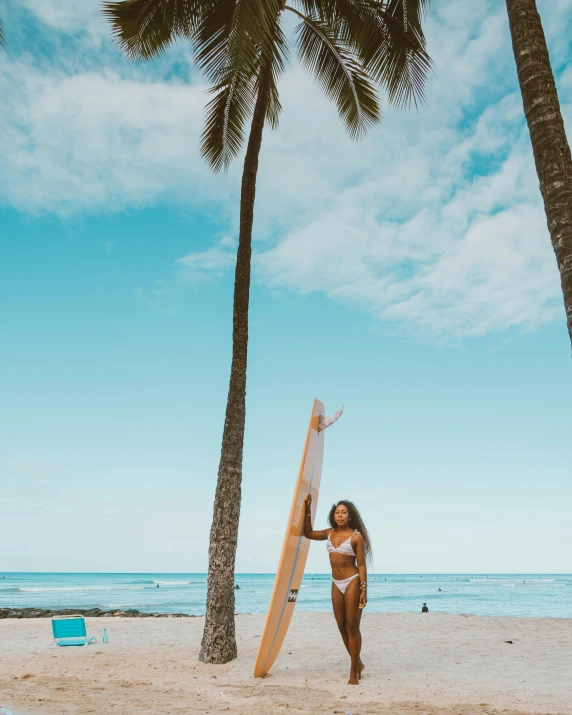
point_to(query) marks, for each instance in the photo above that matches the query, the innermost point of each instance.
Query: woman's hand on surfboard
(308, 504)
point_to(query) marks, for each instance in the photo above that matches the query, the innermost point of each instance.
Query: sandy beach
(422, 664)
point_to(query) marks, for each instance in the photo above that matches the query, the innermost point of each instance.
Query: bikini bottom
(342, 585)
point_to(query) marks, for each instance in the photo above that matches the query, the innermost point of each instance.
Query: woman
(348, 545)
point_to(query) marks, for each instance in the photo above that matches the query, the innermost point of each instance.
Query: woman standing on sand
(348, 546)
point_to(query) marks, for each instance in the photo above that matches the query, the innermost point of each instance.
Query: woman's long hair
(355, 522)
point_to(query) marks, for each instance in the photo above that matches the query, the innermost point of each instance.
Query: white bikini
(348, 550)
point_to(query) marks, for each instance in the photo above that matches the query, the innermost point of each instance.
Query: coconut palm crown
(349, 46)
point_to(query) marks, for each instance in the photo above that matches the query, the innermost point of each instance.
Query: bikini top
(345, 548)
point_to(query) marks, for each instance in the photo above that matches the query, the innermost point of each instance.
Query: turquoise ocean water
(481, 594)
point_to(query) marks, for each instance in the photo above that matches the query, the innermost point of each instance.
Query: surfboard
(295, 546)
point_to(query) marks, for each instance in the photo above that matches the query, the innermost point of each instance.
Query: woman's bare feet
(354, 677)
(361, 666)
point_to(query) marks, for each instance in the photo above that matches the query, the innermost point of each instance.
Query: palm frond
(233, 103)
(279, 55)
(411, 12)
(2, 38)
(145, 28)
(226, 115)
(334, 12)
(338, 71)
(396, 57)
(235, 33)
(233, 62)
(274, 106)
(387, 36)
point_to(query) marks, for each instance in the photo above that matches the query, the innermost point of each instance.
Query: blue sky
(409, 277)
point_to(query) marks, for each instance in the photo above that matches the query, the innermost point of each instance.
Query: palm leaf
(232, 104)
(336, 68)
(392, 50)
(334, 12)
(2, 38)
(413, 11)
(145, 28)
(235, 89)
(395, 56)
(279, 55)
(233, 33)
(274, 106)
(226, 115)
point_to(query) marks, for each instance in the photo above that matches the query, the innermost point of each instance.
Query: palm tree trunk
(219, 641)
(549, 143)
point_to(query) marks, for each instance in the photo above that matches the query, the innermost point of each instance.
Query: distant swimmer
(157, 585)
(439, 589)
(424, 609)
(237, 587)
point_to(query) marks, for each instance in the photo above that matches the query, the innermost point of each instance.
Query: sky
(409, 277)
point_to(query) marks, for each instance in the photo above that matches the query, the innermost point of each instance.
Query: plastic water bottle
(105, 638)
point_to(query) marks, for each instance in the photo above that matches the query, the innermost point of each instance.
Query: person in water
(348, 545)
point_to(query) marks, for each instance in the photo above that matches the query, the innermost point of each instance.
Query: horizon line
(310, 573)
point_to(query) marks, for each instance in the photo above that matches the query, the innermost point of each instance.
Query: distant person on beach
(237, 587)
(424, 608)
(348, 545)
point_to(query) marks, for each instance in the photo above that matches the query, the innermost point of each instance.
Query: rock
(38, 613)
(92, 613)
(87, 613)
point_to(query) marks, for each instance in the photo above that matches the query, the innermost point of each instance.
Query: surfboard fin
(327, 421)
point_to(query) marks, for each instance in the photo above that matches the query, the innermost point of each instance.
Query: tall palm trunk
(219, 641)
(549, 144)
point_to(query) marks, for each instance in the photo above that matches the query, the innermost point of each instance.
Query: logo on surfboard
(293, 595)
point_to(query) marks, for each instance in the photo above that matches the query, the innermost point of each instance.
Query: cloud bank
(434, 223)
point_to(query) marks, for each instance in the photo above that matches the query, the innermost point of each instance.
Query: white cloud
(99, 142)
(214, 261)
(433, 222)
(66, 15)
(443, 232)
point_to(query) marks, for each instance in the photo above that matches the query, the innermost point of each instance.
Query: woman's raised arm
(309, 533)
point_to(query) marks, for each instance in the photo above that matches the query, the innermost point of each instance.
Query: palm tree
(349, 46)
(549, 144)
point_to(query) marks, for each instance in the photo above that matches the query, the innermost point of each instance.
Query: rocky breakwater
(87, 613)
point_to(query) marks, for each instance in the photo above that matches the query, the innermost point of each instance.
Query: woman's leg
(353, 617)
(339, 605)
(338, 602)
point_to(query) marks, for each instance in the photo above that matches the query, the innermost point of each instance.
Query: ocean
(531, 595)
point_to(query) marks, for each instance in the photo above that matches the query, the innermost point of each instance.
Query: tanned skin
(348, 606)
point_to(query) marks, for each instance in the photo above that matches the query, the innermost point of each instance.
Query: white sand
(422, 664)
